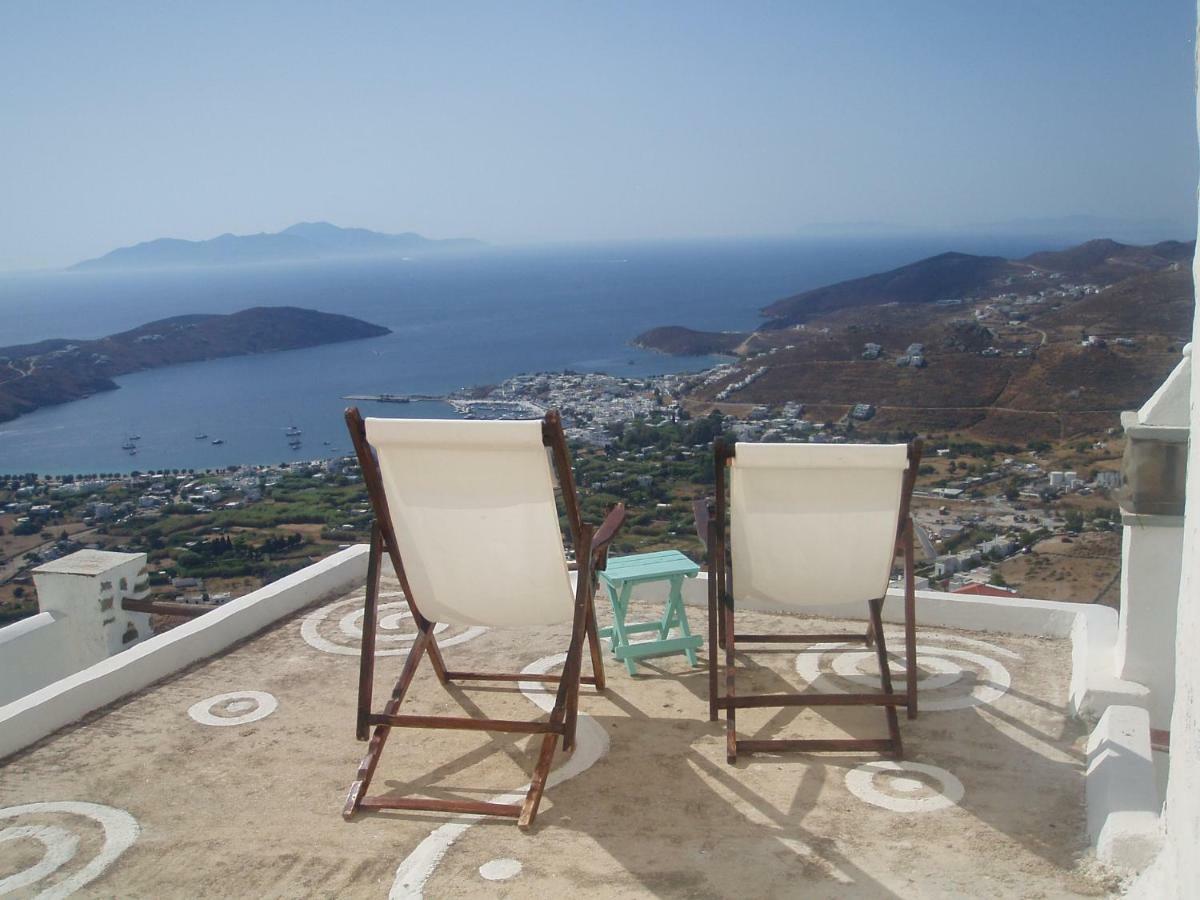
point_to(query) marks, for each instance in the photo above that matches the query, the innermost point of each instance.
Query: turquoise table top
(649, 566)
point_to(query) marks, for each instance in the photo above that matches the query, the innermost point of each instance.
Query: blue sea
(455, 321)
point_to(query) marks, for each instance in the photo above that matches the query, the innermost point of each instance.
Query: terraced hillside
(1049, 347)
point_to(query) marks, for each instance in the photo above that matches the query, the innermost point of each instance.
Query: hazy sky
(518, 122)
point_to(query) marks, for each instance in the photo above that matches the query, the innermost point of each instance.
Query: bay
(456, 321)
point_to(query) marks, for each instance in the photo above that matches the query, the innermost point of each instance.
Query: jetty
(493, 408)
(394, 398)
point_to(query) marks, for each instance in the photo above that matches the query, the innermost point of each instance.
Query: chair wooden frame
(722, 635)
(591, 547)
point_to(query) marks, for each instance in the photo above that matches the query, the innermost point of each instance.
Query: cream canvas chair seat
(809, 525)
(477, 491)
(466, 511)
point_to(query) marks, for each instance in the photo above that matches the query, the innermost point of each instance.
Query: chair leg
(593, 637)
(366, 663)
(713, 647)
(910, 626)
(730, 686)
(567, 702)
(572, 701)
(366, 769)
(537, 786)
(721, 627)
(435, 657)
(885, 677)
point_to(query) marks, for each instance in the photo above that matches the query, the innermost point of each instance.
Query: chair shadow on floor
(675, 813)
(671, 813)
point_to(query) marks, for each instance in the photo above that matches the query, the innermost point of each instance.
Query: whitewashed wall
(33, 716)
(1176, 871)
(80, 622)
(33, 653)
(1151, 556)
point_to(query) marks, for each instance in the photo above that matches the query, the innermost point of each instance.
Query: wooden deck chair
(811, 524)
(466, 512)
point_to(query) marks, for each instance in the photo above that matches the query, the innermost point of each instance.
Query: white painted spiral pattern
(905, 787)
(951, 678)
(337, 627)
(60, 844)
(233, 708)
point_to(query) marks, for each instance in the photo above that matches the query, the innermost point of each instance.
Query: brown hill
(1005, 365)
(944, 277)
(1149, 303)
(1106, 261)
(55, 371)
(679, 341)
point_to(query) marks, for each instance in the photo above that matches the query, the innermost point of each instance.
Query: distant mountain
(964, 276)
(1110, 260)
(55, 371)
(1080, 227)
(1051, 231)
(303, 241)
(947, 276)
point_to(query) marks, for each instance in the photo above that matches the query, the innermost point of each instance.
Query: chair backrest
(476, 523)
(813, 524)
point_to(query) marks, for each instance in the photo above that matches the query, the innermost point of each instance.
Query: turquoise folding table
(619, 579)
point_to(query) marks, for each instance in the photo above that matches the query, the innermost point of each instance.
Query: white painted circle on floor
(60, 843)
(850, 666)
(873, 783)
(337, 627)
(951, 678)
(388, 622)
(234, 708)
(58, 848)
(500, 869)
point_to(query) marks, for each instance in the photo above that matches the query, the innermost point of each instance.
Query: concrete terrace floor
(993, 808)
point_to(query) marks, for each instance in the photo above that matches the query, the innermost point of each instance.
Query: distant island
(300, 242)
(59, 370)
(676, 340)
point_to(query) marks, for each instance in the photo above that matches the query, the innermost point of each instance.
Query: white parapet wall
(81, 620)
(33, 653)
(1122, 798)
(1151, 556)
(35, 715)
(1152, 501)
